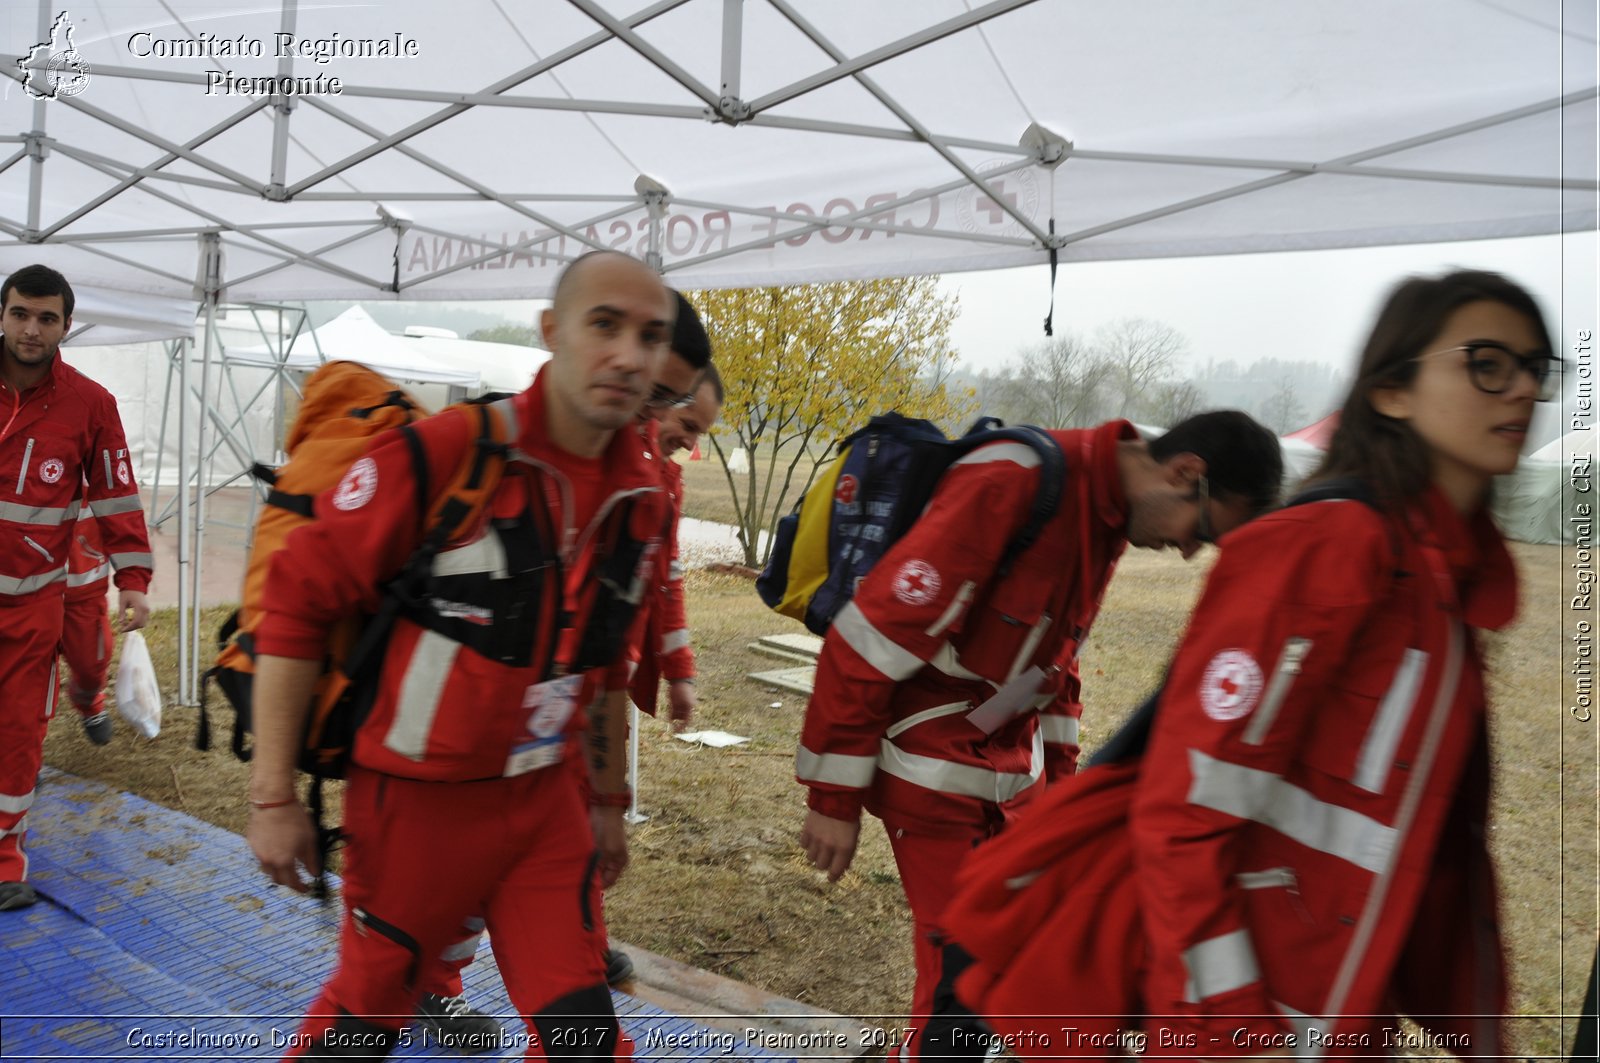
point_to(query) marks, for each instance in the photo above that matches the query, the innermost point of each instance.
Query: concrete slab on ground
(798, 680)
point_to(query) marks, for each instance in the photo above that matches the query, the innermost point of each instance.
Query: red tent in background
(1319, 433)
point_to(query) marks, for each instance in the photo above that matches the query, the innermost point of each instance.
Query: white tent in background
(501, 366)
(1530, 505)
(1578, 442)
(354, 337)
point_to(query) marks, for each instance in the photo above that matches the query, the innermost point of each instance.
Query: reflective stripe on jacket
(63, 440)
(519, 601)
(1322, 733)
(935, 630)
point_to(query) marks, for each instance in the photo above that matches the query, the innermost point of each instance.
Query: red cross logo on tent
(846, 491)
(917, 582)
(1231, 686)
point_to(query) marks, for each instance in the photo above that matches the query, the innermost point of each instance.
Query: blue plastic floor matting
(157, 937)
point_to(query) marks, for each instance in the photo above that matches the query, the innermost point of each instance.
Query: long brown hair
(1385, 452)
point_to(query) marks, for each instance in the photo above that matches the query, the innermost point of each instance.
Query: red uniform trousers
(424, 857)
(86, 642)
(928, 863)
(27, 701)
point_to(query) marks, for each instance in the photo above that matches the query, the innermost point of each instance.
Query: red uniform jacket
(665, 652)
(1305, 842)
(61, 441)
(934, 631)
(1310, 820)
(444, 709)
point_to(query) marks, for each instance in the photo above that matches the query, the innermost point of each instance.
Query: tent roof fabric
(468, 150)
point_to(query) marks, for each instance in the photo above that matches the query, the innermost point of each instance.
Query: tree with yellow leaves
(807, 364)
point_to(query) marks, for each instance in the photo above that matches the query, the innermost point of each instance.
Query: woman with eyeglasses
(1310, 848)
(1299, 854)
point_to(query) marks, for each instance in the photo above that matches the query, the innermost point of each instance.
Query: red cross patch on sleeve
(1231, 686)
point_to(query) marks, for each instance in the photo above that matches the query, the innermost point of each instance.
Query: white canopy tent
(219, 149)
(462, 150)
(354, 337)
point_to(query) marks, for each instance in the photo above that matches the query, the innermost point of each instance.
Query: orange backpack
(344, 408)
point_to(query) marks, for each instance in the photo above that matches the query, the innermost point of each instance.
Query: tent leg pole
(185, 528)
(633, 815)
(202, 466)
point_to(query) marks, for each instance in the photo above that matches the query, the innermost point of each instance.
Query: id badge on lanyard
(543, 740)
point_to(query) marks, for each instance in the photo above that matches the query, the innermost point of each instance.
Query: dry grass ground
(718, 881)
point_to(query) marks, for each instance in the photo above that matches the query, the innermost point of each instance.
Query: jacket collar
(1475, 554)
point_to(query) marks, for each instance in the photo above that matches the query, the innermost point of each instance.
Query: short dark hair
(1243, 458)
(38, 281)
(714, 378)
(1383, 451)
(689, 339)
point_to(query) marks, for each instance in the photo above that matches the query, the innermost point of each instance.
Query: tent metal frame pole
(185, 527)
(883, 97)
(34, 140)
(211, 273)
(371, 229)
(139, 133)
(136, 177)
(489, 194)
(732, 50)
(282, 106)
(174, 367)
(635, 721)
(850, 67)
(502, 248)
(1407, 144)
(657, 58)
(528, 73)
(194, 232)
(220, 224)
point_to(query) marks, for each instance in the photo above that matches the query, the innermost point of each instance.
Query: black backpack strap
(1047, 501)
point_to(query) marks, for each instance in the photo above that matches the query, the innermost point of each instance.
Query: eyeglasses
(1493, 367)
(1204, 533)
(664, 398)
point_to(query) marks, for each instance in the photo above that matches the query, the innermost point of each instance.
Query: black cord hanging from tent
(1049, 318)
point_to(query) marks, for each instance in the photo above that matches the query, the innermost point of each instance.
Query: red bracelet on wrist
(274, 804)
(620, 799)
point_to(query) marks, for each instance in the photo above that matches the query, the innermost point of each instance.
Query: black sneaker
(16, 895)
(457, 1024)
(618, 967)
(98, 728)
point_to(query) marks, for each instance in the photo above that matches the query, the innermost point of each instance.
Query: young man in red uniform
(86, 637)
(675, 399)
(947, 692)
(59, 430)
(463, 796)
(666, 652)
(667, 635)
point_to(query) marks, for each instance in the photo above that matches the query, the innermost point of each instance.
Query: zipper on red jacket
(27, 457)
(1283, 676)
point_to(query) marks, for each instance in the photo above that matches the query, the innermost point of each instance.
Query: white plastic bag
(138, 696)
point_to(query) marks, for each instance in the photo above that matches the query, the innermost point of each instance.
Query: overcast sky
(1305, 306)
